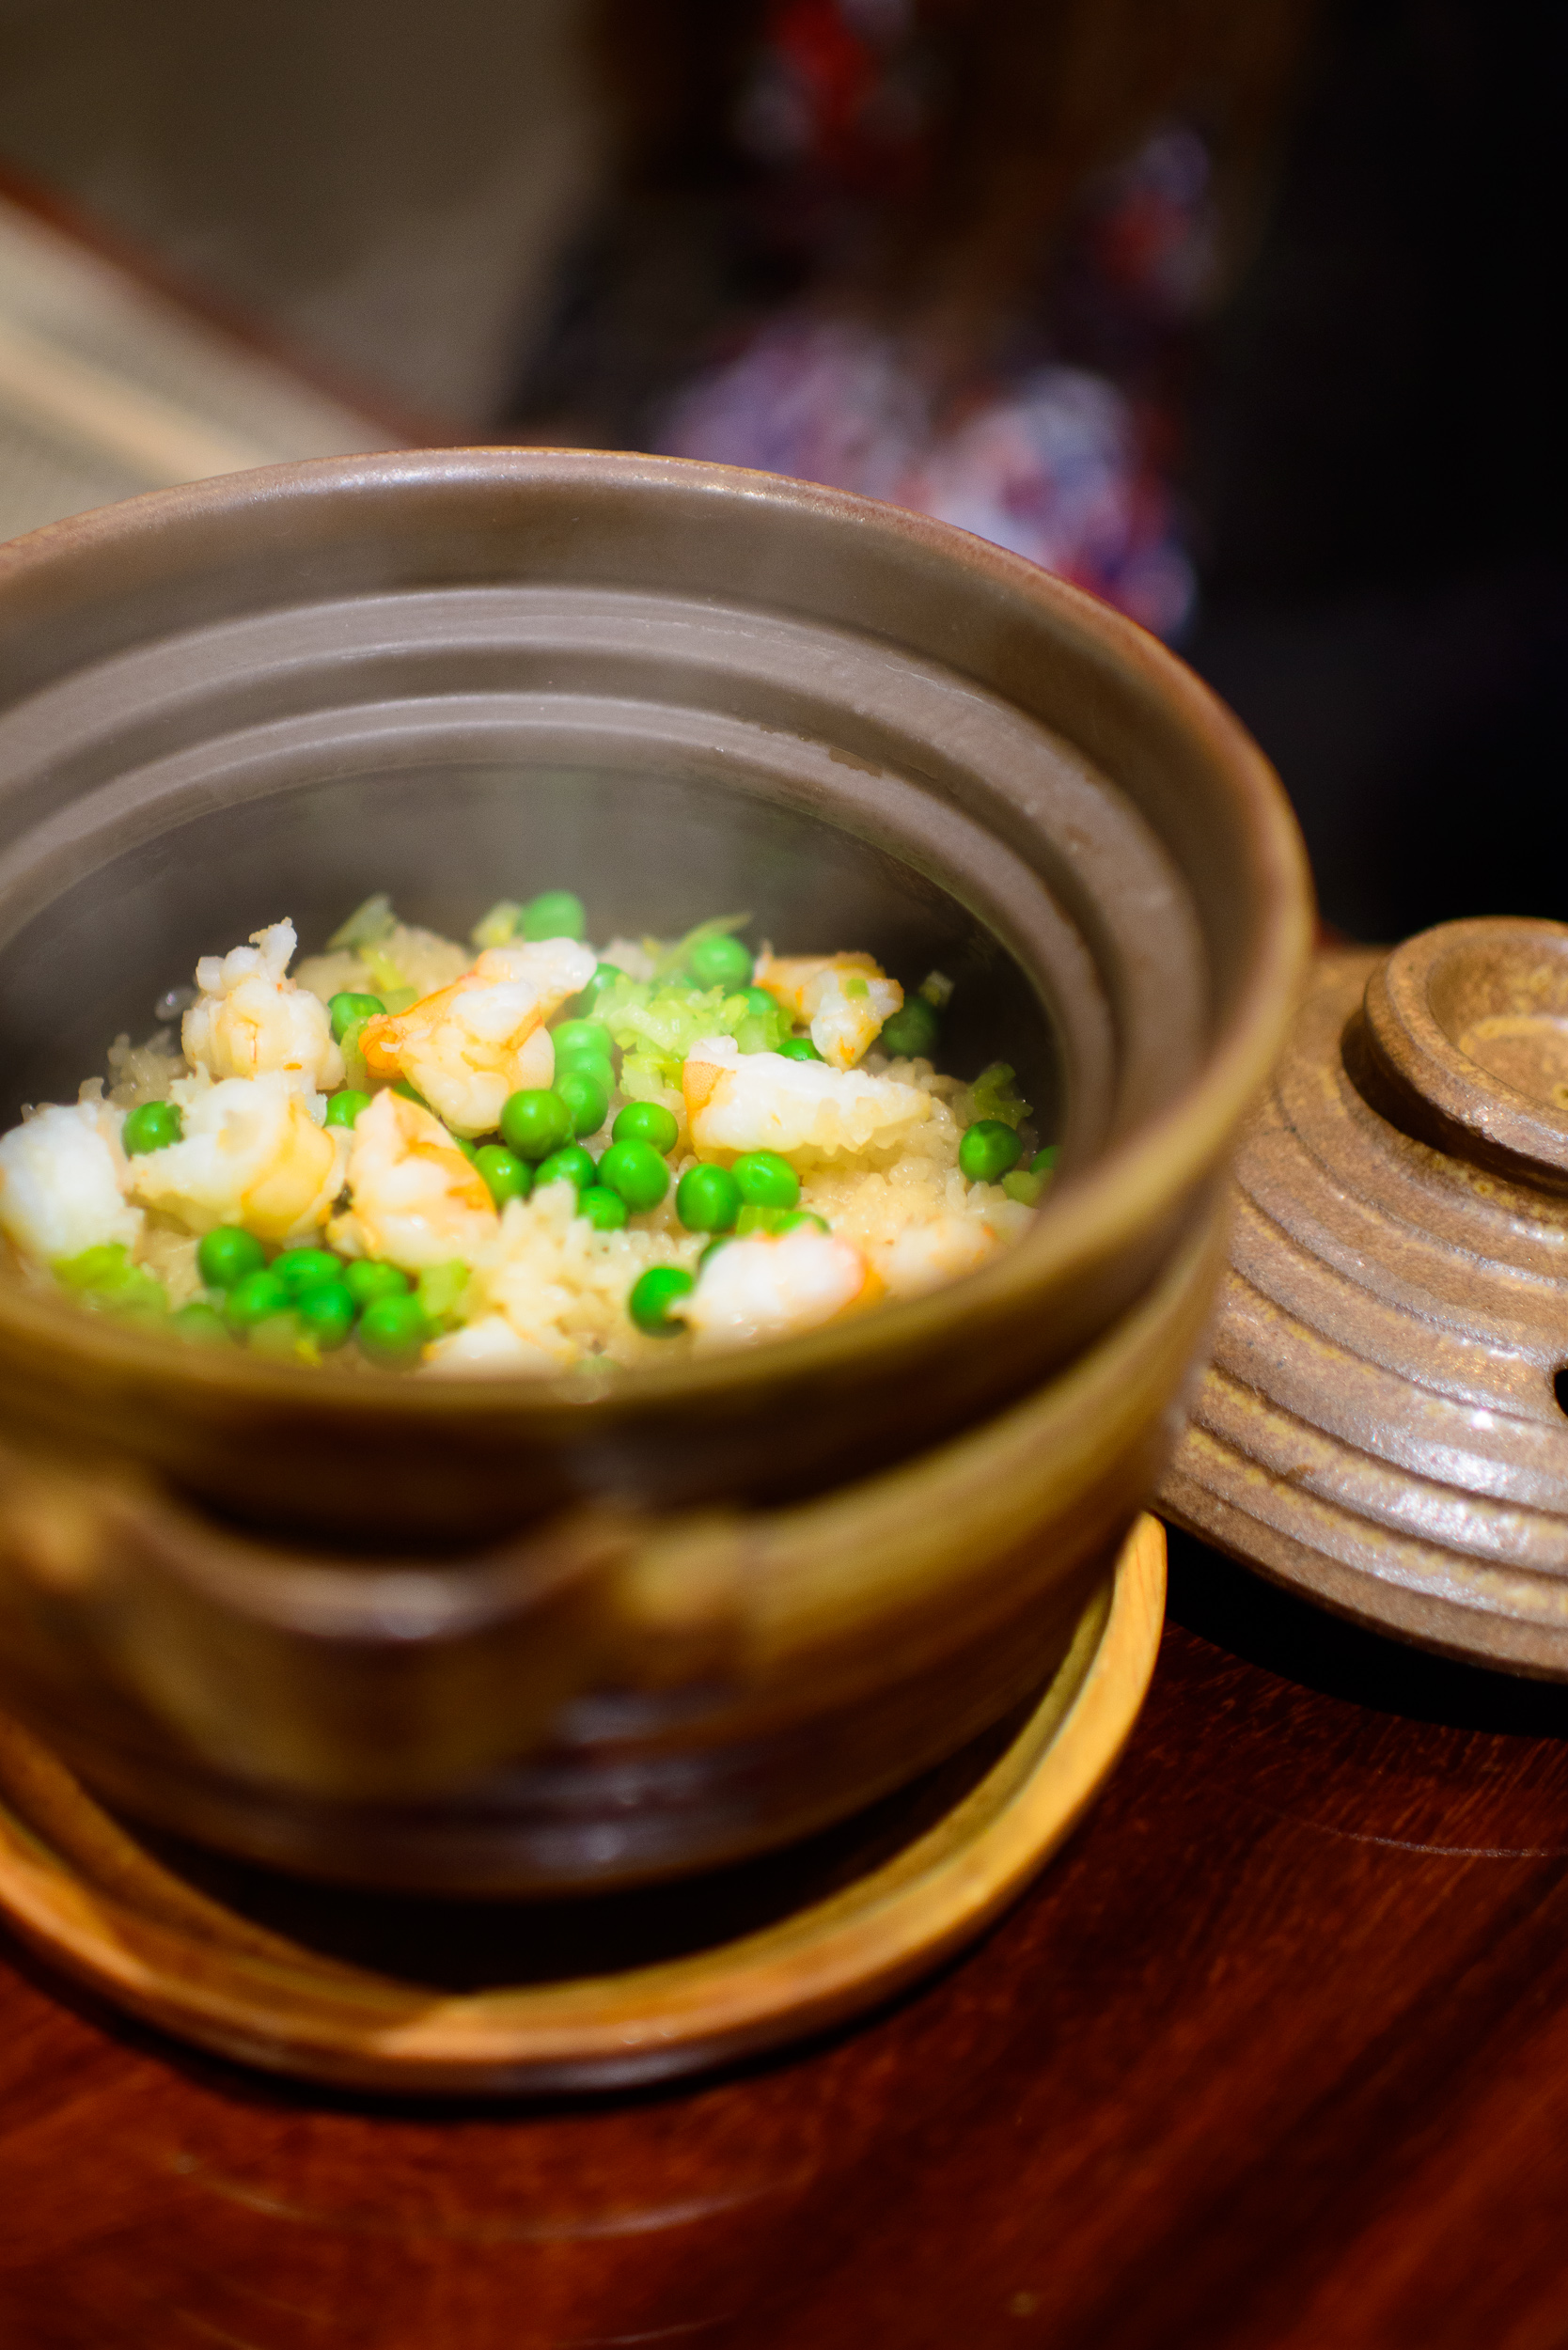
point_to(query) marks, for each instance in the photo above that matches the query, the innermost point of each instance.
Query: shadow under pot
(248, 1598)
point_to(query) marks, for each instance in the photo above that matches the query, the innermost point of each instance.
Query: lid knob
(1466, 1026)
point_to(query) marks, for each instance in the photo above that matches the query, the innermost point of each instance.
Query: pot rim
(1098, 1211)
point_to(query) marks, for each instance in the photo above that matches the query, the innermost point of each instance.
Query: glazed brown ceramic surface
(836, 1931)
(1380, 1424)
(435, 673)
(523, 1632)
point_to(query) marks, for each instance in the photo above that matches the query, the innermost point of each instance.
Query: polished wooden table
(1274, 2056)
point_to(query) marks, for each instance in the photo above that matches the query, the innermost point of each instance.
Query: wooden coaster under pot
(859, 1914)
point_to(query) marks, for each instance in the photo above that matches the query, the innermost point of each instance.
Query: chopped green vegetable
(1026, 1183)
(656, 1022)
(440, 1293)
(500, 925)
(996, 1098)
(989, 1150)
(201, 1323)
(282, 1337)
(105, 1278)
(936, 990)
(368, 922)
(227, 1254)
(654, 1295)
(152, 1126)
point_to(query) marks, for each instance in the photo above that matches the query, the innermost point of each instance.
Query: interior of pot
(681, 692)
(647, 850)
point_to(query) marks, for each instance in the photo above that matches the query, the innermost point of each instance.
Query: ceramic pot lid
(1379, 1425)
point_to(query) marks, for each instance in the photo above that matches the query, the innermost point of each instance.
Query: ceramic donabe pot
(678, 689)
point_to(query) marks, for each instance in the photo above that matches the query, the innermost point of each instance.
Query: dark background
(526, 218)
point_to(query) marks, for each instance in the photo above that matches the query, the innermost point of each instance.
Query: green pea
(636, 1172)
(506, 1175)
(345, 1107)
(535, 1122)
(707, 1199)
(604, 973)
(1045, 1162)
(368, 1279)
(586, 1096)
(605, 1209)
(346, 1008)
(720, 1240)
(765, 1180)
(989, 1150)
(201, 1323)
(654, 1295)
(910, 1031)
(328, 1314)
(720, 963)
(301, 1269)
(798, 1048)
(227, 1255)
(771, 1221)
(555, 914)
(649, 1122)
(152, 1126)
(393, 1332)
(574, 1037)
(571, 1166)
(255, 1299)
(762, 1003)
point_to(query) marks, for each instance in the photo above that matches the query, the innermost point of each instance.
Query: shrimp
(762, 1288)
(923, 1255)
(414, 1198)
(471, 1045)
(486, 1347)
(843, 1000)
(765, 1101)
(250, 1020)
(62, 1178)
(253, 1152)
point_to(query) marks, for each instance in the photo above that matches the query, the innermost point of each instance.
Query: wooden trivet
(884, 1901)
